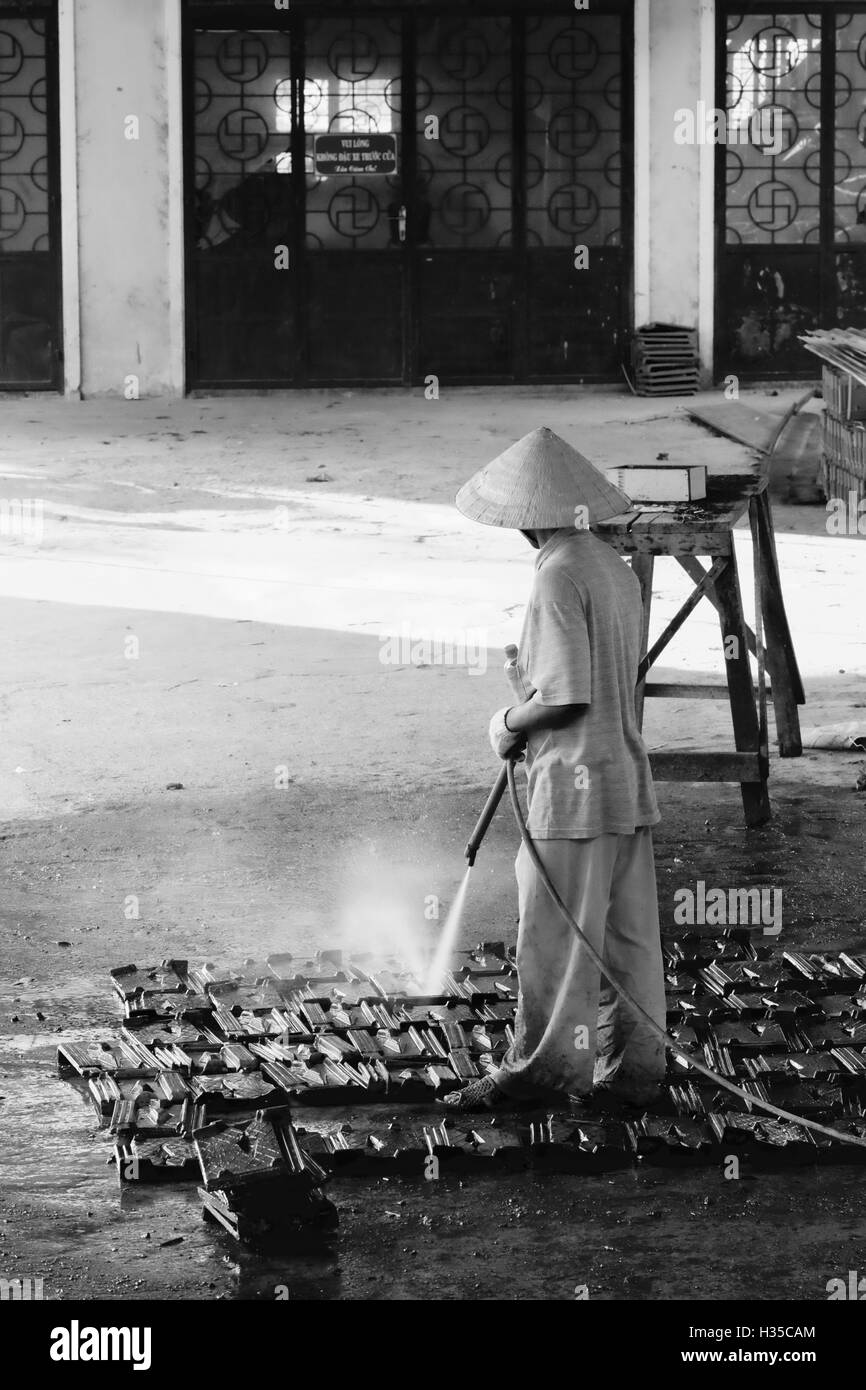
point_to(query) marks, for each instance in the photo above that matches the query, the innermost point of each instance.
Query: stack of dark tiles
(258, 1182)
(665, 360)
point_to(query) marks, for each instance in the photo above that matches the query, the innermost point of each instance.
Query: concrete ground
(208, 594)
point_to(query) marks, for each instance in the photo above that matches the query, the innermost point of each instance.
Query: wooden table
(684, 532)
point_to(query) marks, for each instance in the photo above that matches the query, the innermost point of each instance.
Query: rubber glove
(503, 742)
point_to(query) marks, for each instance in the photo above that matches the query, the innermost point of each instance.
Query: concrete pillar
(674, 184)
(123, 235)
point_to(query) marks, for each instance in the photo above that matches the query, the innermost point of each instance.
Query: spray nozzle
(490, 808)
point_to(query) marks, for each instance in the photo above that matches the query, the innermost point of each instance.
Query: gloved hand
(503, 742)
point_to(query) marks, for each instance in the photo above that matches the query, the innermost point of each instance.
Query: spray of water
(378, 908)
(379, 901)
(448, 939)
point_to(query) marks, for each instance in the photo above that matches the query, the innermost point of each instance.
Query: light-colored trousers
(571, 1028)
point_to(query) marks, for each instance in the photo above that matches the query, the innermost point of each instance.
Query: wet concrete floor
(647, 1233)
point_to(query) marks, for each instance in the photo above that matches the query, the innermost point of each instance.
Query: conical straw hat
(538, 483)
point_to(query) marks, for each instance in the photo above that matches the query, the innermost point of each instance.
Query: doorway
(377, 198)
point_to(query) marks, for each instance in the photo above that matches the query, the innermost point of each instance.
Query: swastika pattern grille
(773, 156)
(242, 183)
(849, 176)
(351, 87)
(23, 137)
(464, 131)
(443, 244)
(795, 195)
(241, 206)
(573, 101)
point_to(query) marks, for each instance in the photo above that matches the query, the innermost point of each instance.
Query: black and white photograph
(432, 672)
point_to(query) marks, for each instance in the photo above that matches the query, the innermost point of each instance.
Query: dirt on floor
(205, 755)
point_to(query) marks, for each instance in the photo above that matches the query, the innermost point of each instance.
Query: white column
(707, 212)
(174, 140)
(67, 115)
(642, 164)
(674, 211)
(129, 179)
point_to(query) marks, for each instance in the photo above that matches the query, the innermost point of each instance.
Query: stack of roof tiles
(665, 360)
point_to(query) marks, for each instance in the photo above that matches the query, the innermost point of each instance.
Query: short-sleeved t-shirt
(581, 645)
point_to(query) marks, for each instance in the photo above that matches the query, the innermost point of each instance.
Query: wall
(127, 222)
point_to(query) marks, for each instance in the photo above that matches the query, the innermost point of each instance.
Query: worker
(591, 798)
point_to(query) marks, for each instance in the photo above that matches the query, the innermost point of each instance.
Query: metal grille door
(452, 191)
(792, 183)
(576, 195)
(243, 327)
(355, 222)
(464, 203)
(29, 243)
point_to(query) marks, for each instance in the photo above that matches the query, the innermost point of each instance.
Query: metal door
(30, 341)
(356, 222)
(791, 182)
(242, 271)
(430, 175)
(577, 171)
(523, 195)
(463, 225)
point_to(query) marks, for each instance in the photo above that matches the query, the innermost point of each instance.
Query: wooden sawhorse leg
(787, 686)
(721, 584)
(747, 734)
(778, 648)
